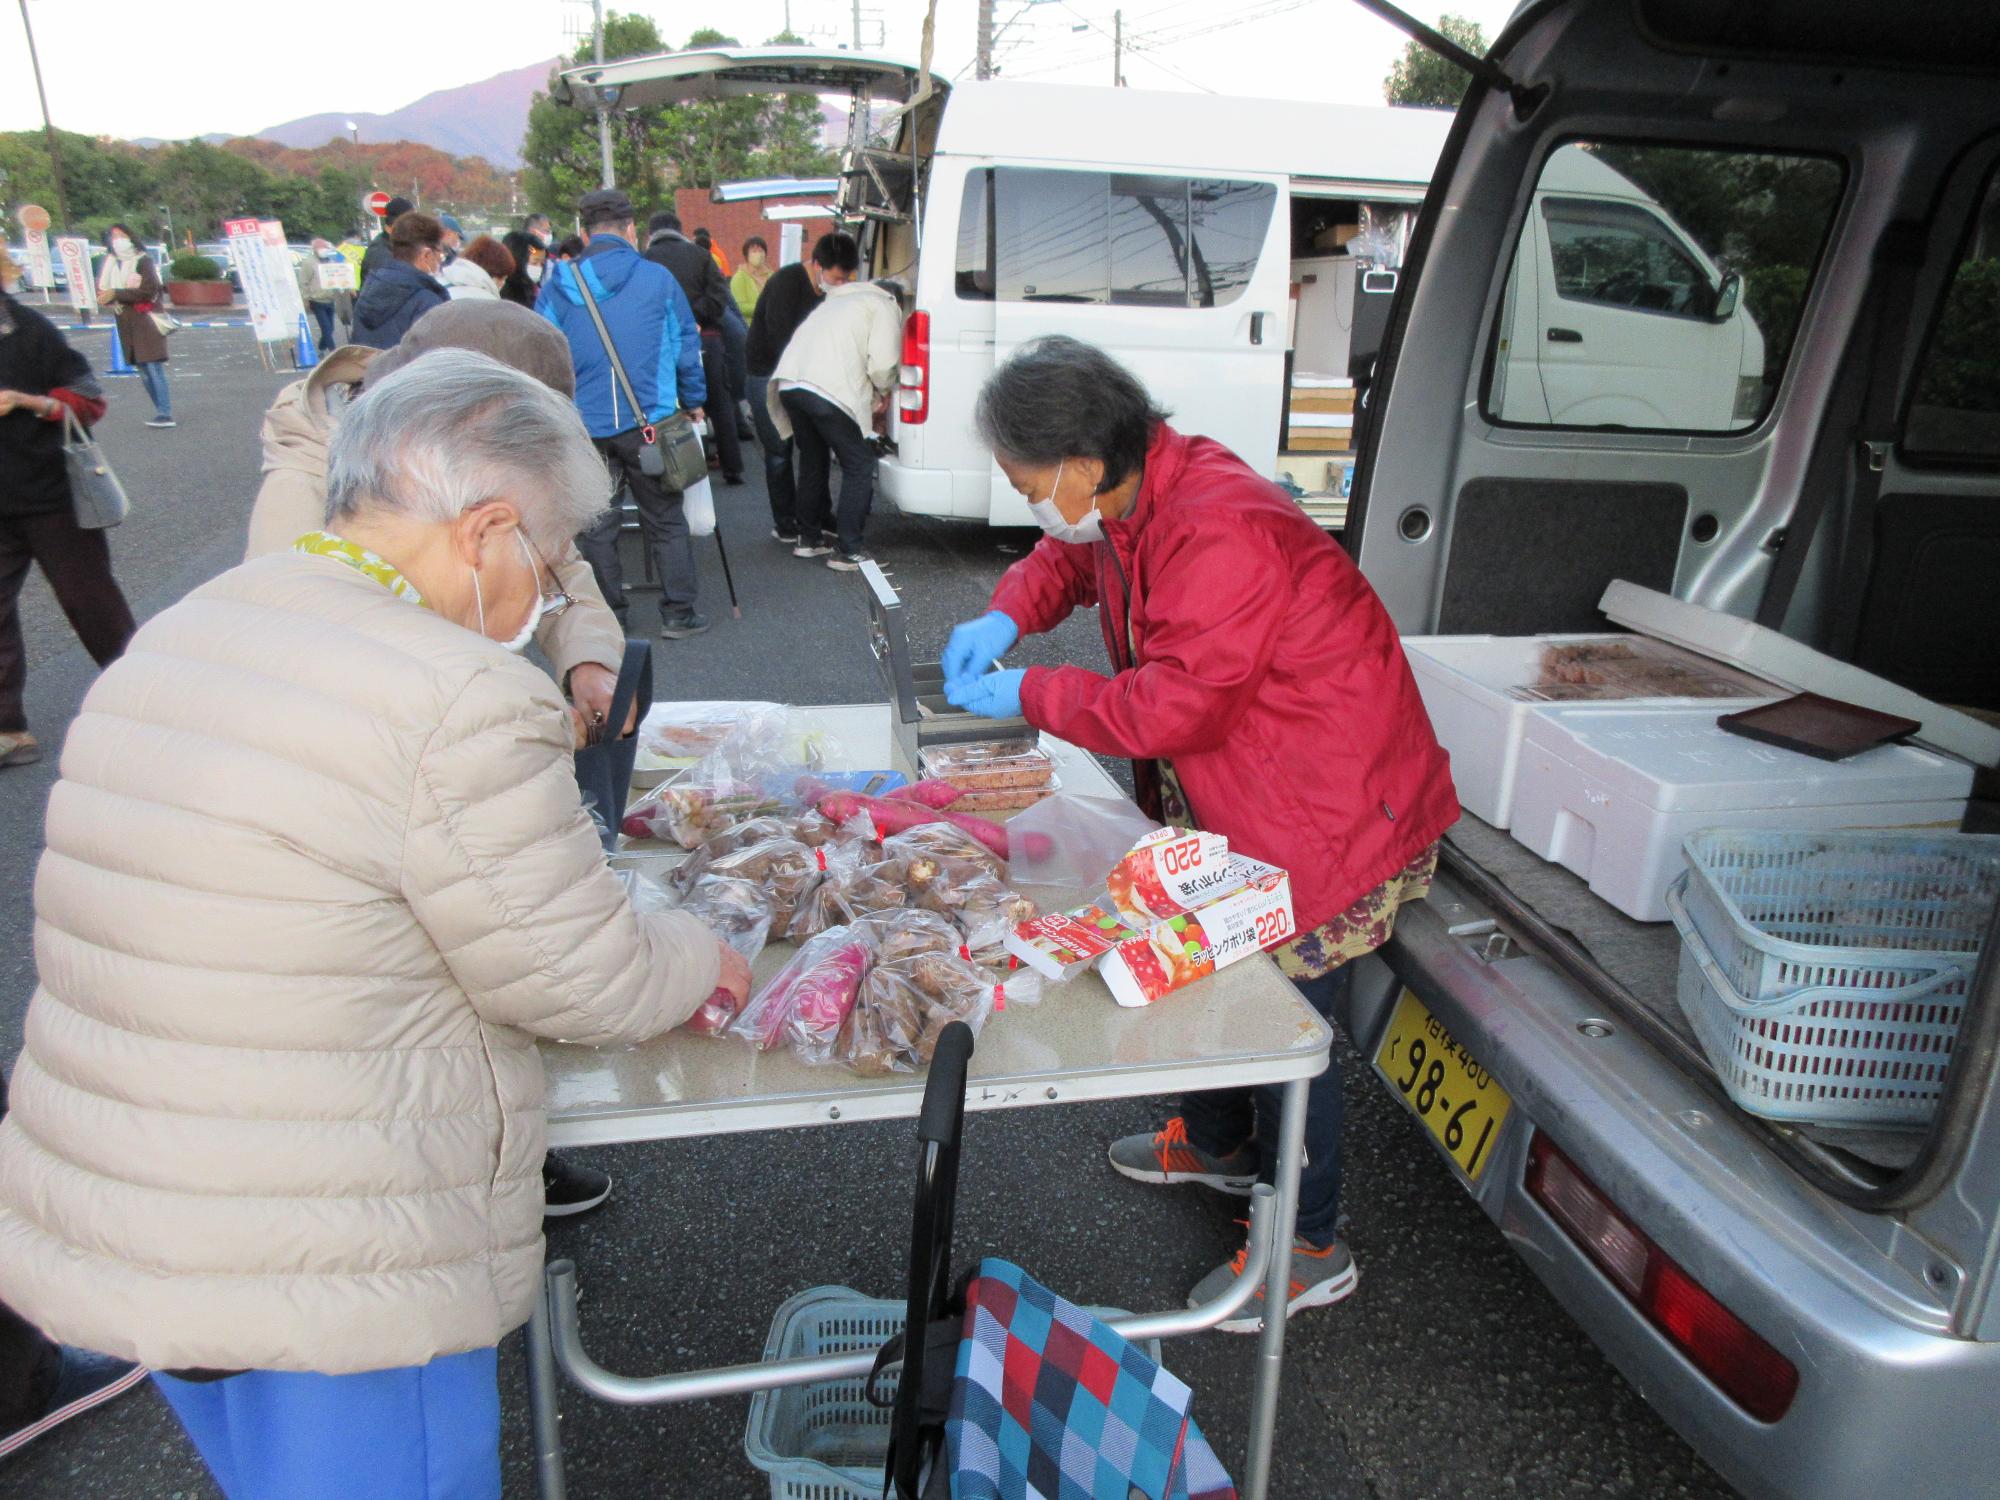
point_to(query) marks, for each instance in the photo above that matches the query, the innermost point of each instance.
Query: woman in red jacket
(1260, 690)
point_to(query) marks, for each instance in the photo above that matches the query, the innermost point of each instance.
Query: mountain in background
(485, 119)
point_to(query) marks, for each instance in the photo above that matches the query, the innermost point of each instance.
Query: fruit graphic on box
(1061, 945)
(1169, 871)
(1178, 950)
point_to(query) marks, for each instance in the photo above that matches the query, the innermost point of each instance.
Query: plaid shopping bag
(1048, 1403)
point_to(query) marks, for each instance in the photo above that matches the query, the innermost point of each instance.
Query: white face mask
(534, 273)
(527, 630)
(1051, 520)
(121, 245)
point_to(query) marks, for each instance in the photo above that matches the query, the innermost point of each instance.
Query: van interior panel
(1535, 555)
(1926, 615)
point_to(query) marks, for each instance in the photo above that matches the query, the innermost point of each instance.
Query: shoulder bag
(99, 499)
(669, 450)
(604, 766)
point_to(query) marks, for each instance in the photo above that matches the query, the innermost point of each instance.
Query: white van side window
(1658, 288)
(1032, 234)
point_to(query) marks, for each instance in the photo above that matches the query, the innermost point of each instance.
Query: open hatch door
(877, 181)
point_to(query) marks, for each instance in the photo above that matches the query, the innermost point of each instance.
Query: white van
(1205, 241)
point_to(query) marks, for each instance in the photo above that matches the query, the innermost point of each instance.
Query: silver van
(1817, 1313)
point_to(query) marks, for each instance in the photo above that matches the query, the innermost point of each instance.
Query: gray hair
(456, 429)
(1059, 398)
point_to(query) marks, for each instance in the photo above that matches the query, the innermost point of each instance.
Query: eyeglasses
(554, 601)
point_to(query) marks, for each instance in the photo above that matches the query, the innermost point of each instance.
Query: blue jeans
(1224, 1121)
(421, 1432)
(154, 377)
(323, 315)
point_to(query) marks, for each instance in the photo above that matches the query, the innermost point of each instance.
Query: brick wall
(733, 223)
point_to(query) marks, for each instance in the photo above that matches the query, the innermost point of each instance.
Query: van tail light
(913, 400)
(1718, 1343)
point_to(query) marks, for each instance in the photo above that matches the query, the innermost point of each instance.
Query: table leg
(544, 1411)
(1277, 1292)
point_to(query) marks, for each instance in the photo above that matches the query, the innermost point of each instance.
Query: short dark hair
(837, 251)
(703, 238)
(569, 247)
(666, 218)
(1059, 398)
(532, 220)
(396, 209)
(412, 232)
(758, 241)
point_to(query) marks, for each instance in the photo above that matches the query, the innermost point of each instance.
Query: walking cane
(727, 577)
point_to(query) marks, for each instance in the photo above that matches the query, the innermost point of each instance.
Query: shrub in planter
(197, 281)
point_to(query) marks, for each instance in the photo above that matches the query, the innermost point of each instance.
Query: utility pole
(48, 130)
(857, 25)
(984, 54)
(603, 115)
(1118, 49)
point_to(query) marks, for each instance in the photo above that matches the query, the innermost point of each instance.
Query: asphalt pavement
(1450, 1373)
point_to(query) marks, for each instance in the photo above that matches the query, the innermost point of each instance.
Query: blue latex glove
(975, 646)
(996, 695)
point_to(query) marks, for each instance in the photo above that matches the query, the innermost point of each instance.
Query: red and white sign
(264, 265)
(75, 256)
(378, 204)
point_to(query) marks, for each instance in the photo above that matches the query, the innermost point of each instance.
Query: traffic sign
(33, 216)
(377, 203)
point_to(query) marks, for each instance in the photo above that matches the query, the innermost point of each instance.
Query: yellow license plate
(1443, 1084)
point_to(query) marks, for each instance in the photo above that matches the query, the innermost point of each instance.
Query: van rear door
(1185, 279)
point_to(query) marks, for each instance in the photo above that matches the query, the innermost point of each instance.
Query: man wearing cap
(378, 248)
(453, 237)
(649, 322)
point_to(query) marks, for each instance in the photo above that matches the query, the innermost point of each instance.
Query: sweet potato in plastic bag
(853, 886)
(903, 1007)
(782, 868)
(805, 1004)
(942, 848)
(905, 934)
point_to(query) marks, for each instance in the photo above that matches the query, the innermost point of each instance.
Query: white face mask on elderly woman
(527, 631)
(1052, 520)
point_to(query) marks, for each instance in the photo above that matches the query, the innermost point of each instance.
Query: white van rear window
(1032, 234)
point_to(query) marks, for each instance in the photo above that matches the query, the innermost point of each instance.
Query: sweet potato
(889, 816)
(989, 833)
(931, 793)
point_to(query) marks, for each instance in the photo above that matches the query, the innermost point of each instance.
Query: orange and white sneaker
(1320, 1278)
(1168, 1156)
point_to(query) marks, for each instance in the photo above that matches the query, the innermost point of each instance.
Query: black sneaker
(848, 562)
(570, 1189)
(732, 480)
(681, 625)
(83, 1381)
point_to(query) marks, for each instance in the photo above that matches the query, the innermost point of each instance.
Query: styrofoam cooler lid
(1679, 760)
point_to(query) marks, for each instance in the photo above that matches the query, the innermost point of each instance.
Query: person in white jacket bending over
(316, 878)
(830, 384)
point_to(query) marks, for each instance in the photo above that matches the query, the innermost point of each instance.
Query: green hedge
(1962, 367)
(188, 267)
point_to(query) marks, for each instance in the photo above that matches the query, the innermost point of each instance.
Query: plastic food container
(1481, 691)
(990, 765)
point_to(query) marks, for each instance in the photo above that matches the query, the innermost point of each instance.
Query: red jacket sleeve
(1039, 592)
(88, 409)
(1214, 607)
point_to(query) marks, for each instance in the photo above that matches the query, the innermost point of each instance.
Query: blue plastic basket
(1825, 973)
(825, 1441)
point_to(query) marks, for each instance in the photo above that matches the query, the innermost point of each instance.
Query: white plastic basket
(825, 1441)
(1825, 973)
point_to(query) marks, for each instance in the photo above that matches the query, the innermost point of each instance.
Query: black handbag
(604, 767)
(669, 450)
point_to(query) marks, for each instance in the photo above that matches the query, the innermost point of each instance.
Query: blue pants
(154, 377)
(422, 1432)
(1224, 1121)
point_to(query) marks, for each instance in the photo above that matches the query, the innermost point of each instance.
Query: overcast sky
(242, 65)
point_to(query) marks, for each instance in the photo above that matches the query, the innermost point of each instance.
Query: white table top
(1246, 1025)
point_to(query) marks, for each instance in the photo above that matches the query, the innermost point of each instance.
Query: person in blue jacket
(652, 327)
(404, 287)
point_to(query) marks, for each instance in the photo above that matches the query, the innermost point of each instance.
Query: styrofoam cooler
(1465, 682)
(1610, 792)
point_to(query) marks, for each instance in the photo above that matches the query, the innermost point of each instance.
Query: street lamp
(167, 214)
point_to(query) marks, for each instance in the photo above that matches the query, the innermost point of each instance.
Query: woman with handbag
(46, 389)
(130, 282)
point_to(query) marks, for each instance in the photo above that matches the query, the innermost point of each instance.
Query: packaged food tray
(825, 1441)
(990, 765)
(1825, 973)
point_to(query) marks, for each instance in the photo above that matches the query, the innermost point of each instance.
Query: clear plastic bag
(783, 869)
(806, 1003)
(942, 848)
(1063, 848)
(690, 730)
(752, 770)
(903, 1007)
(852, 886)
(896, 936)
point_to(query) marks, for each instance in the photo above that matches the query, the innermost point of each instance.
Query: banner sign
(270, 291)
(74, 253)
(35, 230)
(337, 275)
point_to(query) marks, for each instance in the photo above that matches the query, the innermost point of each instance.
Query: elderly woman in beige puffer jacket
(317, 877)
